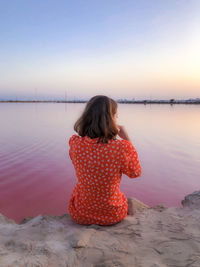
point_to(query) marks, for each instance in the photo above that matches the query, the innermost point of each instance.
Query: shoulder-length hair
(97, 119)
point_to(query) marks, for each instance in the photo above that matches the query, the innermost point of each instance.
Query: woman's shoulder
(122, 143)
(73, 138)
(125, 144)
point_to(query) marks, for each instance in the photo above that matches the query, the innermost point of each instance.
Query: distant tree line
(123, 101)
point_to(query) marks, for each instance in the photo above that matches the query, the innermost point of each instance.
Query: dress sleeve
(130, 161)
(71, 142)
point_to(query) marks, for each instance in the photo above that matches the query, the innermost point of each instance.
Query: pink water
(36, 174)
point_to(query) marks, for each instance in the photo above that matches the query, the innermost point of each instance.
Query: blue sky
(140, 49)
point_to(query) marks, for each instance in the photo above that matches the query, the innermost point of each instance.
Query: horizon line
(143, 101)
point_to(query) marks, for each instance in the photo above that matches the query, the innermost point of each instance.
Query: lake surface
(36, 173)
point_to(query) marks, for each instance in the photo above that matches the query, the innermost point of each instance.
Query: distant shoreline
(172, 101)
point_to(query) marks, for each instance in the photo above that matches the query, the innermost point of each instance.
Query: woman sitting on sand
(99, 159)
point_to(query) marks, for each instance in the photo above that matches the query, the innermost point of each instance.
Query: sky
(77, 49)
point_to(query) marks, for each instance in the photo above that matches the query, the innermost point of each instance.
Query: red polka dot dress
(96, 198)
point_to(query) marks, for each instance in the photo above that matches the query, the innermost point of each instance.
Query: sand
(148, 236)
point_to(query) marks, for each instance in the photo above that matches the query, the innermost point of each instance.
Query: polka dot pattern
(96, 198)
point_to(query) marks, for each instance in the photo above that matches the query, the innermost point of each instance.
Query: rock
(5, 220)
(25, 220)
(35, 221)
(159, 207)
(192, 200)
(83, 238)
(150, 239)
(135, 205)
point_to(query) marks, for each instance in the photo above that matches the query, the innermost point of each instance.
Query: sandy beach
(149, 236)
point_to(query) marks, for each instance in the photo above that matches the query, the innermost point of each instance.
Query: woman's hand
(123, 133)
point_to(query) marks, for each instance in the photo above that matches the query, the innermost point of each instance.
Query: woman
(99, 159)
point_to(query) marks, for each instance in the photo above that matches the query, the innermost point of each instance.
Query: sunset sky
(124, 49)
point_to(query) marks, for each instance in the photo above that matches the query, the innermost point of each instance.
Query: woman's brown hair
(97, 119)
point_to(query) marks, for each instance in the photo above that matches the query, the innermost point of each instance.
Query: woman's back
(96, 198)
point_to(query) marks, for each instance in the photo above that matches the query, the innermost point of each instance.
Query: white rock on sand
(150, 237)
